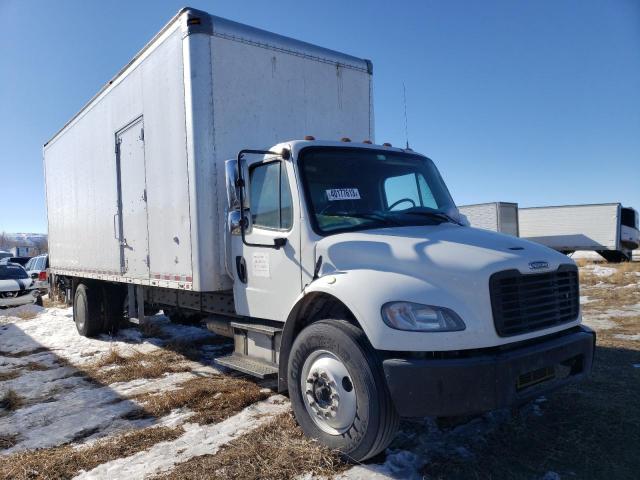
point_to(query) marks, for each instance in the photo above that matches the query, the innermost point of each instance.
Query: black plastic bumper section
(486, 381)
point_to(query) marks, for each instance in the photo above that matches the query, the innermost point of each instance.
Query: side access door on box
(131, 219)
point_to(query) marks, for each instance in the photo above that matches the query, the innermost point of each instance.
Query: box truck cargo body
(228, 175)
(147, 153)
(608, 228)
(496, 216)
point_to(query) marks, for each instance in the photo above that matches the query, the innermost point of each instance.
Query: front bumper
(17, 301)
(486, 381)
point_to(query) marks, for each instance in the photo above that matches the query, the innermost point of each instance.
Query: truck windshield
(356, 189)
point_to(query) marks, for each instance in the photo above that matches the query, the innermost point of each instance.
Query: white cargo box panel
(573, 227)
(495, 216)
(135, 181)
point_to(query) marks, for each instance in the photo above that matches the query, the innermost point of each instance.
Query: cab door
(267, 280)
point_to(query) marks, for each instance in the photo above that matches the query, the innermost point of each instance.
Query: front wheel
(338, 392)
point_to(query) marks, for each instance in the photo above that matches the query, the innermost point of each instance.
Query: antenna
(406, 123)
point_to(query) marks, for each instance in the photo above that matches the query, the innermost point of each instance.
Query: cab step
(256, 349)
(251, 366)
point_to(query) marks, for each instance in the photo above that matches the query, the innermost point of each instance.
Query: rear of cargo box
(572, 227)
(135, 181)
(497, 216)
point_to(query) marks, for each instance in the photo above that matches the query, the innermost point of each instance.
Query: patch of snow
(420, 440)
(600, 271)
(605, 320)
(585, 300)
(598, 322)
(77, 408)
(627, 336)
(62, 405)
(197, 440)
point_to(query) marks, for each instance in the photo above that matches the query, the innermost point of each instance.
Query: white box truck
(495, 216)
(191, 183)
(607, 228)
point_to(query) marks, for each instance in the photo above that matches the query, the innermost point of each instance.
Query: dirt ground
(149, 403)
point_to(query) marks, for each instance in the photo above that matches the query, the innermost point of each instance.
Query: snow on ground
(61, 405)
(627, 336)
(600, 271)
(197, 440)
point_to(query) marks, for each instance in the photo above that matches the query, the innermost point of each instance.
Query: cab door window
(271, 203)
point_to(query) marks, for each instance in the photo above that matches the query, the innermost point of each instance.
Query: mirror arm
(278, 243)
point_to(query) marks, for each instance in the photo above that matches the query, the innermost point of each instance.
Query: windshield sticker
(343, 194)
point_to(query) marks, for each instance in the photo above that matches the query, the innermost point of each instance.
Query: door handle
(115, 228)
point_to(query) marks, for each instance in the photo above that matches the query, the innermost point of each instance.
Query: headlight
(421, 318)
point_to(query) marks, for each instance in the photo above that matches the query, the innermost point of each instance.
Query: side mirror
(233, 190)
(233, 199)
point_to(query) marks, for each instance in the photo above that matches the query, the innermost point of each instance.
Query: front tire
(338, 392)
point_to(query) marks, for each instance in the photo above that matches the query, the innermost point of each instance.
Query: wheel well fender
(309, 308)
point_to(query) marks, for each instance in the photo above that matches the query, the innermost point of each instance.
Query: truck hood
(444, 265)
(422, 251)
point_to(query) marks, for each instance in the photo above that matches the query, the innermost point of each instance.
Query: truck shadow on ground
(46, 401)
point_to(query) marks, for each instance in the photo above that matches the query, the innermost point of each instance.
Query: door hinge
(118, 142)
(142, 134)
(148, 262)
(144, 195)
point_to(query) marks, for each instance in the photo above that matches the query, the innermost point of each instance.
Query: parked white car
(16, 287)
(37, 267)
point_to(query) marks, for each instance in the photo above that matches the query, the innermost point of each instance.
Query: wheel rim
(328, 392)
(80, 305)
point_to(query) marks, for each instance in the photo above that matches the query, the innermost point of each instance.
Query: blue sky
(535, 102)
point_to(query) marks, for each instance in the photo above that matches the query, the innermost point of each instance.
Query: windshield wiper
(440, 215)
(369, 216)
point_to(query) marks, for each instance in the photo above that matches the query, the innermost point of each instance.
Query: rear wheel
(87, 310)
(338, 392)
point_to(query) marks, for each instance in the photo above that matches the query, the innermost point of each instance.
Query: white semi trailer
(495, 216)
(607, 228)
(340, 268)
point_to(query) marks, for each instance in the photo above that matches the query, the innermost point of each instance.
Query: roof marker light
(368, 142)
(345, 139)
(386, 144)
(309, 137)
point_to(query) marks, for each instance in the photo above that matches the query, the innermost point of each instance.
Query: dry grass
(25, 314)
(114, 367)
(65, 462)
(48, 302)
(11, 401)
(36, 366)
(278, 451)
(8, 441)
(212, 398)
(10, 375)
(192, 349)
(151, 329)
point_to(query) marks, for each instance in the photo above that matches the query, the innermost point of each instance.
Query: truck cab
(375, 299)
